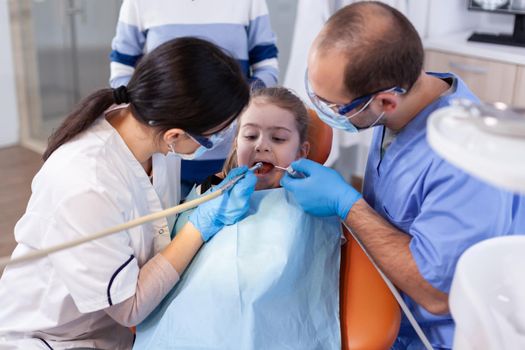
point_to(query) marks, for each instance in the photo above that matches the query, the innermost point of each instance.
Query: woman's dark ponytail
(85, 114)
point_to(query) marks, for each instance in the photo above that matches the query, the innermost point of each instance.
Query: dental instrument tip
(291, 171)
(256, 166)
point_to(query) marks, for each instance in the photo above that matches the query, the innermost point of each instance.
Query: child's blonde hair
(282, 98)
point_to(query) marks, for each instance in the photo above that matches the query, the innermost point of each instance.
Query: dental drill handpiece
(233, 181)
(39, 253)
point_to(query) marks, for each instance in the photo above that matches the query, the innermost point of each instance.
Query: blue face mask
(189, 156)
(335, 121)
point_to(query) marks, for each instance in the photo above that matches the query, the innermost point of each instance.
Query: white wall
(496, 23)
(282, 16)
(452, 16)
(9, 127)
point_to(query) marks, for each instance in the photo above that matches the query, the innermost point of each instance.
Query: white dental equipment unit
(487, 298)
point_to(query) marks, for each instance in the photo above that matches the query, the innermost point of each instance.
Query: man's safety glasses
(342, 110)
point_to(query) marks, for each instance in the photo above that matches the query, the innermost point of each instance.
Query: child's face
(268, 134)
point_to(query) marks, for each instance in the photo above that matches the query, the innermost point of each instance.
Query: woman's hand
(226, 209)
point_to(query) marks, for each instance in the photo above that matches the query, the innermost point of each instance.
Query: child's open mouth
(264, 169)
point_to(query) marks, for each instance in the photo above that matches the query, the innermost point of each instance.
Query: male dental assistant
(418, 213)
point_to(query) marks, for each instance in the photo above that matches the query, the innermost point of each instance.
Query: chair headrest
(320, 138)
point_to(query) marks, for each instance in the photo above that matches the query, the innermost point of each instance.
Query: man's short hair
(382, 47)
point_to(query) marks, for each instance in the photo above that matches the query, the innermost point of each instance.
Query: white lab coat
(89, 184)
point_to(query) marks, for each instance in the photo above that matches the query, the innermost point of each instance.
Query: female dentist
(106, 165)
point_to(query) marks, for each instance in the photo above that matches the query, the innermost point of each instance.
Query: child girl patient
(270, 281)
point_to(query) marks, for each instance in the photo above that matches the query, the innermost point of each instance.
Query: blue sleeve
(457, 211)
(262, 51)
(127, 45)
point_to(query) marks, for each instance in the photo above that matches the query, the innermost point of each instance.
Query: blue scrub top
(443, 209)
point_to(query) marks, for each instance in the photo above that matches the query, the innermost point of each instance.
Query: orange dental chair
(369, 314)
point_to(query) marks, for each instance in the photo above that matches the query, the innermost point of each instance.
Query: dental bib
(270, 281)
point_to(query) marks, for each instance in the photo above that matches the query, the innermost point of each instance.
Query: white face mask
(188, 156)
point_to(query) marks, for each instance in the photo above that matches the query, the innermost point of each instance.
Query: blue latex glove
(226, 209)
(323, 191)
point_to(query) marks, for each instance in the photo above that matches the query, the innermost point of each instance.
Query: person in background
(418, 213)
(240, 27)
(111, 161)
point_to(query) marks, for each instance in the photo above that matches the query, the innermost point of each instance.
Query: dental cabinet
(495, 73)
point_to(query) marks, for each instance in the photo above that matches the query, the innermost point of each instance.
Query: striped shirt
(241, 27)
